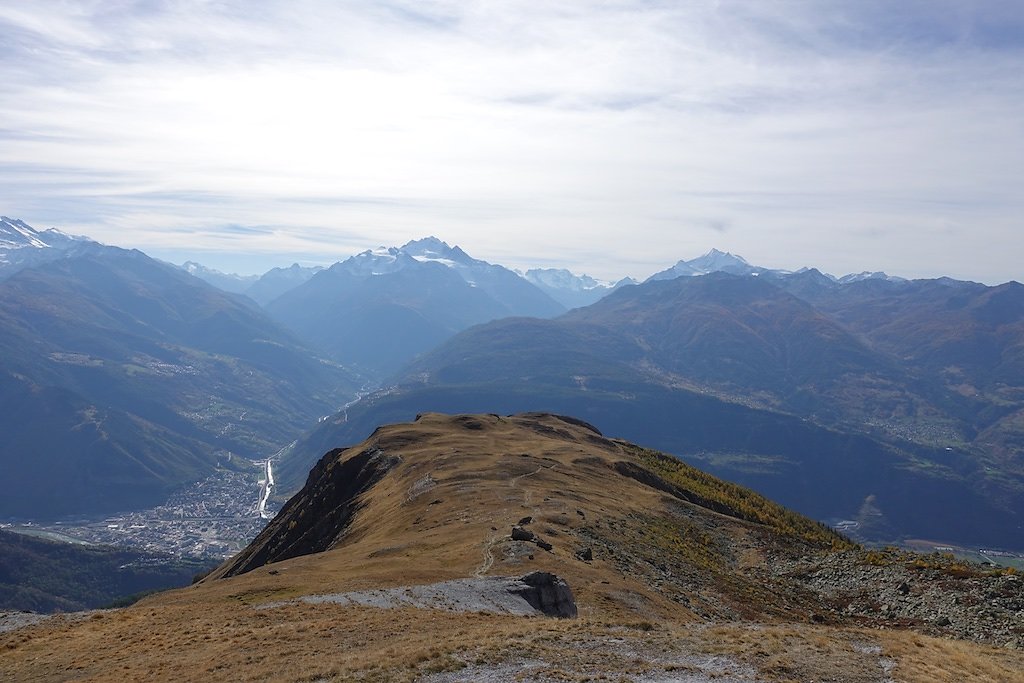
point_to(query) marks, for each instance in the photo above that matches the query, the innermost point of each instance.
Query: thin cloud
(836, 133)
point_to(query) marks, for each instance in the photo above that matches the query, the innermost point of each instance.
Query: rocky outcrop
(521, 534)
(933, 593)
(317, 517)
(536, 593)
(548, 594)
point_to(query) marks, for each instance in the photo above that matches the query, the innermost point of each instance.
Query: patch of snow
(869, 275)
(560, 278)
(18, 234)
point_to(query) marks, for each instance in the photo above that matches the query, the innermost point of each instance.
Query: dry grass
(650, 576)
(921, 659)
(789, 652)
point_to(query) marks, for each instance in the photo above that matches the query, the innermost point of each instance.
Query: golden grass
(742, 502)
(483, 482)
(920, 659)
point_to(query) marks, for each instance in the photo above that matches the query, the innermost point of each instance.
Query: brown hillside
(677, 576)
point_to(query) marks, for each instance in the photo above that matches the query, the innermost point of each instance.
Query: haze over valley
(818, 390)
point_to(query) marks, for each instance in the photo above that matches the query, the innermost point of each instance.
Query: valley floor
(212, 518)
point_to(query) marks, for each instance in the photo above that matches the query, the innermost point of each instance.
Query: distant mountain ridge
(229, 282)
(561, 285)
(570, 290)
(897, 404)
(22, 246)
(380, 308)
(16, 234)
(260, 288)
(716, 261)
(277, 281)
(124, 378)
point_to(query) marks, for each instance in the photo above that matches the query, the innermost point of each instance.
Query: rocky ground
(11, 621)
(535, 594)
(934, 594)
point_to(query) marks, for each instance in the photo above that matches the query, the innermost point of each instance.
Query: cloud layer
(612, 137)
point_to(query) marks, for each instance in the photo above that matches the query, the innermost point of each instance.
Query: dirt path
(488, 562)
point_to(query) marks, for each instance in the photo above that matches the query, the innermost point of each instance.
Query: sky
(612, 138)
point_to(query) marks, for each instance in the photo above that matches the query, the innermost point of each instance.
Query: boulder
(547, 593)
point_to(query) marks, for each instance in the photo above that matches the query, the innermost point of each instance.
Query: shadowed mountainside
(124, 377)
(379, 309)
(46, 576)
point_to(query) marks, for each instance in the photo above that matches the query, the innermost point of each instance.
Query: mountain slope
(46, 576)
(740, 332)
(750, 382)
(124, 378)
(277, 281)
(509, 289)
(422, 570)
(350, 496)
(22, 246)
(228, 282)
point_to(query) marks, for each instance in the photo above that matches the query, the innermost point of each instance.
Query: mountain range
(379, 309)
(543, 546)
(716, 261)
(22, 246)
(894, 404)
(571, 290)
(260, 288)
(835, 402)
(124, 378)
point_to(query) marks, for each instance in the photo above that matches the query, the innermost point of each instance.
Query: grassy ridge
(741, 502)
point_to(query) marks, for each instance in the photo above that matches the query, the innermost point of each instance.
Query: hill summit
(437, 550)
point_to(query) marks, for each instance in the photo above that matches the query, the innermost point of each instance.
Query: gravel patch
(648, 668)
(490, 594)
(12, 621)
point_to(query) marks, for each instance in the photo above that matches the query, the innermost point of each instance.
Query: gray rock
(548, 594)
(532, 594)
(585, 554)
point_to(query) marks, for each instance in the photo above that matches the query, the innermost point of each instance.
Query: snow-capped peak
(379, 261)
(716, 260)
(433, 249)
(868, 275)
(22, 246)
(711, 262)
(16, 234)
(426, 245)
(560, 278)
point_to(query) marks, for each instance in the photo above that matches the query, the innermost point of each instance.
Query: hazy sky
(610, 137)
